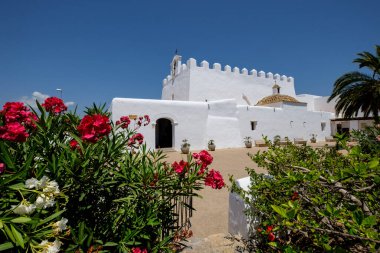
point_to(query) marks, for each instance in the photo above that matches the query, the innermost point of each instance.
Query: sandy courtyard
(211, 215)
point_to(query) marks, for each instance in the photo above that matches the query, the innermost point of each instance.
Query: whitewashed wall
(286, 122)
(309, 99)
(179, 87)
(189, 118)
(322, 105)
(223, 124)
(216, 83)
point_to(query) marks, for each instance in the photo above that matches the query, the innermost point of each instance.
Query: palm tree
(356, 91)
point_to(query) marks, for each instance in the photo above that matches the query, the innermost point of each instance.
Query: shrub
(313, 200)
(87, 185)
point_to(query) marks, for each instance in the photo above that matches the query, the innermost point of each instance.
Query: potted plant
(211, 145)
(276, 140)
(248, 142)
(185, 146)
(313, 138)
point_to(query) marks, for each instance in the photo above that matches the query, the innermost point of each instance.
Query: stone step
(216, 243)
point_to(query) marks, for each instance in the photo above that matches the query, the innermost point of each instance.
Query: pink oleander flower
(139, 250)
(143, 120)
(2, 168)
(180, 167)
(124, 122)
(18, 112)
(203, 159)
(94, 127)
(13, 131)
(74, 144)
(139, 138)
(54, 105)
(214, 179)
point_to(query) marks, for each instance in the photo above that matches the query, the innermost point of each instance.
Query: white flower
(44, 201)
(31, 183)
(47, 185)
(50, 247)
(42, 183)
(51, 187)
(24, 208)
(59, 226)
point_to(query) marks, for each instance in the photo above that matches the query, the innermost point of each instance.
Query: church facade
(201, 103)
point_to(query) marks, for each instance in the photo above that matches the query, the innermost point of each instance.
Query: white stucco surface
(238, 223)
(222, 83)
(205, 101)
(189, 118)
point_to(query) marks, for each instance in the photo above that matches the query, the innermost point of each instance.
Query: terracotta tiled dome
(277, 98)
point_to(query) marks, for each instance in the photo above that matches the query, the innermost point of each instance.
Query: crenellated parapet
(192, 64)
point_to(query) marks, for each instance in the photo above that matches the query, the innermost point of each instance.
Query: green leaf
(51, 217)
(279, 210)
(9, 233)
(17, 186)
(291, 213)
(370, 220)
(110, 244)
(273, 244)
(358, 216)
(373, 164)
(21, 220)
(18, 236)
(329, 209)
(5, 246)
(6, 156)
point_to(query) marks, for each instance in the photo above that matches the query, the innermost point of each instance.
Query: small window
(253, 125)
(323, 126)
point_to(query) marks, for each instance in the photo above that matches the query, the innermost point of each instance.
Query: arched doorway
(164, 133)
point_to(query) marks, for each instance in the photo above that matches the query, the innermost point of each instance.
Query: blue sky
(96, 50)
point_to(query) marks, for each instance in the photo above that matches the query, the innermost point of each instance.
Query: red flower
(2, 167)
(143, 120)
(12, 111)
(269, 229)
(137, 137)
(94, 127)
(54, 105)
(147, 120)
(259, 230)
(124, 121)
(138, 250)
(271, 237)
(18, 112)
(214, 179)
(13, 131)
(295, 196)
(74, 144)
(204, 159)
(180, 167)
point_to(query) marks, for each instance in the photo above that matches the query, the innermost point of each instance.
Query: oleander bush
(314, 200)
(71, 184)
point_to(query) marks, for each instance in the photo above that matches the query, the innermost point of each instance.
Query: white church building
(201, 103)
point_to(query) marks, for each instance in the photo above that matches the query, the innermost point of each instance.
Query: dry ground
(211, 215)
